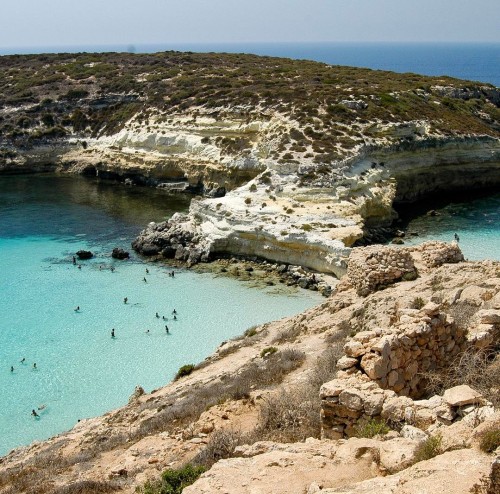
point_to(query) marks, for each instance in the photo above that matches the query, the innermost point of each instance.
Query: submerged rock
(119, 253)
(84, 254)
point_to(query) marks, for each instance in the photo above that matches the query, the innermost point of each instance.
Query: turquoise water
(80, 370)
(477, 223)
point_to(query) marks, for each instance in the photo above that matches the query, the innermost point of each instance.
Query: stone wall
(381, 375)
(375, 267)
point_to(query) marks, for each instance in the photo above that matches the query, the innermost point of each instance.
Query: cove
(476, 222)
(81, 371)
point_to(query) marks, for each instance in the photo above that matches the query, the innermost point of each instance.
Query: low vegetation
(173, 481)
(371, 428)
(430, 448)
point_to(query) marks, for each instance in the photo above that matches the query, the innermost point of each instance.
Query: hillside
(377, 390)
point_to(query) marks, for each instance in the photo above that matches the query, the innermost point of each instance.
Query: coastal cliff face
(402, 364)
(296, 160)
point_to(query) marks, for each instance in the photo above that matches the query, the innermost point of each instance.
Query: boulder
(119, 253)
(461, 395)
(84, 254)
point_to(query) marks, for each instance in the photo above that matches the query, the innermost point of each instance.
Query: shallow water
(477, 224)
(80, 370)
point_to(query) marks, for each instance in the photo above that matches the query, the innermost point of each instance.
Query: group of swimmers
(167, 330)
(23, 361)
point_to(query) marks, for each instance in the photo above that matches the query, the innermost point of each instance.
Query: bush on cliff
(185, 370)
(174, 481)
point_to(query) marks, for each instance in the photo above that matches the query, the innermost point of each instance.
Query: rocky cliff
(287, 153)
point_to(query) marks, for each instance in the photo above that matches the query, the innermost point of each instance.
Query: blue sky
(32, 23)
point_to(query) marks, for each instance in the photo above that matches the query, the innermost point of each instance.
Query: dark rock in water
(119, 253)
(397, 241)
(303, 282)
(84, 254)
(432, 212)
(270, 283)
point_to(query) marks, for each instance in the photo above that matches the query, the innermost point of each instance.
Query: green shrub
(269, 350)
(174, 481)
(185, 370)
(371, 428)
(430, 448)
(252, 331)
(417, 303)
(490, 439)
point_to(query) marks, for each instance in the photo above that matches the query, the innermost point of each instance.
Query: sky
(39, 23)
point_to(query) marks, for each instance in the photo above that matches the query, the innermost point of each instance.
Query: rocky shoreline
(361, 347)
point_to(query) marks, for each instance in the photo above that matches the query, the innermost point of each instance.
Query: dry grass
(479, 369)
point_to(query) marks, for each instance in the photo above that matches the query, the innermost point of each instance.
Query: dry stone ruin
(382, 373)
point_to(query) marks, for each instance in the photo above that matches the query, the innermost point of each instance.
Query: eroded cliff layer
(296, 159)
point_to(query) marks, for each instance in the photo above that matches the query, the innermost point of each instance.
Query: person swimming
(147, 271)
(457, 238)
(79, 266)
(113, 333)
(33, 412)
(164, 318)
(157, 315)
(175, 317)
(174, 312)
(74, 260)
(23, 360)
(125, 300)
(112, 269)
(11, 368)
(42, 407)
(145, 280)
(34, 365)
(77, 309)
(166, 329)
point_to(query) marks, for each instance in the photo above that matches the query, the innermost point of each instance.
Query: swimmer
(100, 267)
(147, 331)
(125, 300)
(145, 280)
(157, 315)
(33, 412)
(79, 266)
(166, 329)
(77, 309)
(113, 333)
(173, 274)
(147, 271)
(175, 317)
(164, 318)
(74, 260)
(457, 238)
(174, 312)
(22, 360)
(112, 269)
(11, 368)
(34, 366)
(42, 407)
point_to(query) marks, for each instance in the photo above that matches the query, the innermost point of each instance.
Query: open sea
(80, 370)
